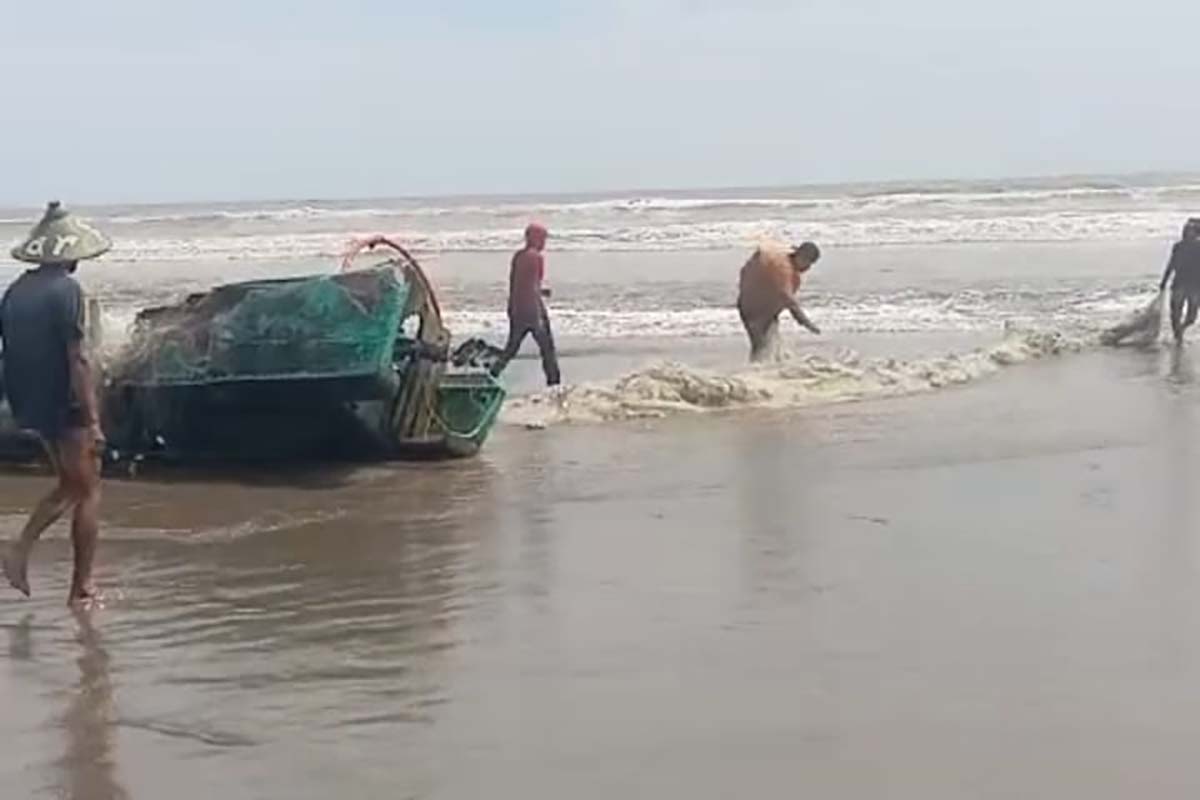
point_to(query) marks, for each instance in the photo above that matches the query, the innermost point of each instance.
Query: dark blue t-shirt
(41, 314)
(1185, 263)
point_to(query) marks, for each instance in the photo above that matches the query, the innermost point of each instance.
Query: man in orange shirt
(768, 285)
(526, 307)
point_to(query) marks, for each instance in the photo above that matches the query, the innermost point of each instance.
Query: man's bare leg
(771, 347)
(81, 467)
(15, 563)
(16, 558)
(85, 530)
(764, 340)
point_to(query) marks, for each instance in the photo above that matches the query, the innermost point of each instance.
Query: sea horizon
(994, 182)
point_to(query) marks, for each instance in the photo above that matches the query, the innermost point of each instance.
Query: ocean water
(1045, 210)
(641, 277)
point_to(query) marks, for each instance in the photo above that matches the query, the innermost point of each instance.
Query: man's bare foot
(86, 598)
(16, 568)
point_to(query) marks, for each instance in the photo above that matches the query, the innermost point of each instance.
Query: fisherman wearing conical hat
(48, 381)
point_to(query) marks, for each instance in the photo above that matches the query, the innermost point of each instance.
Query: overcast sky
(149, 100)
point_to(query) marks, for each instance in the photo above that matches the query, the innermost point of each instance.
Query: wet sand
(984, 592)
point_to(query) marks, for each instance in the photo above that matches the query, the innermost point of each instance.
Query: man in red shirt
(526, 309)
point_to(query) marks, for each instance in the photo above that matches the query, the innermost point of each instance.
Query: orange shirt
(767, 284)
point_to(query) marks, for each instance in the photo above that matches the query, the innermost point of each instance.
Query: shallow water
(985, 592)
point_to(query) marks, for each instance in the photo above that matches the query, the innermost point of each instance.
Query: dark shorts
(1185, 305)
(70, 420)
(762, 331)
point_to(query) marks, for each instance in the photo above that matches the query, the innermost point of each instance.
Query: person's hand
(96, 436)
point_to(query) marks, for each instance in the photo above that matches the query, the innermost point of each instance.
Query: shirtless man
(48, 382)
(768, 285)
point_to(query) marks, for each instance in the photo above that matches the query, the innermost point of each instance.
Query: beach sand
(985, 591)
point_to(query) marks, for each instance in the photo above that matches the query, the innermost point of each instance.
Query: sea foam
(670, 387)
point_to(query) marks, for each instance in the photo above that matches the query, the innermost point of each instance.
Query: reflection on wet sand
(1177, 571)
(769, 487)
(345, 608)
(534, 518)
(1182, 370)
(20, 639)
(88, 767)
(275, 618)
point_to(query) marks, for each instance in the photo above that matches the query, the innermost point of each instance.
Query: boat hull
(308, 368)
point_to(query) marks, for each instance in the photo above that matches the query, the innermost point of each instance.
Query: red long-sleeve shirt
(525, 284)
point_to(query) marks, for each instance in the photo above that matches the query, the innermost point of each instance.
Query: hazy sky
(144, 100)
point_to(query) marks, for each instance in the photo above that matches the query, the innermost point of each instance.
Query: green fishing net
(327, 326)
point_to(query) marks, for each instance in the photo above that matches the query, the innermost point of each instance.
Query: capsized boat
(351, 365)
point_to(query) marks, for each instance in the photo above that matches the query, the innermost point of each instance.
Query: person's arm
(79, 367)
(2, 302)
(798, 314)
(1171, 266)
(543, 289)
(82, 385)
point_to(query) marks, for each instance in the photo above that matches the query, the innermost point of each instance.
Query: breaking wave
(904, 311)
(837, 199)
(670, 312)
(885, 214)
(671, 388)
(683, 236)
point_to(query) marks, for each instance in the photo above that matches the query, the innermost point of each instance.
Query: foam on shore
(670, 388)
